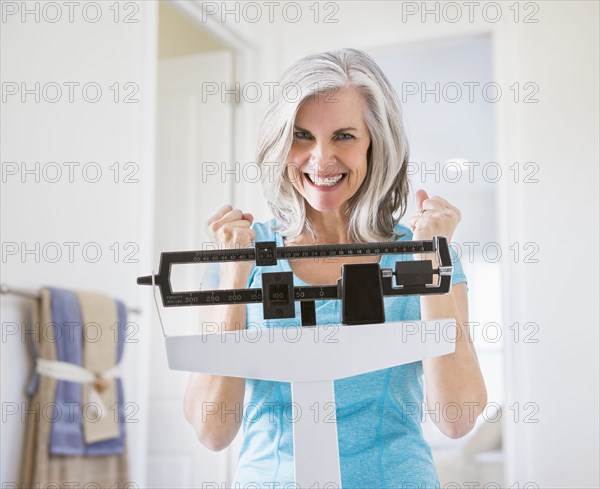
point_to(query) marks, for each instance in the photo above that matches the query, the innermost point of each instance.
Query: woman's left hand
(437, 218)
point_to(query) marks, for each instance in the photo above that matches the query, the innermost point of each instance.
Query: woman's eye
(306, 135)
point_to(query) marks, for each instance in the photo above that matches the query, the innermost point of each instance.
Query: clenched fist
(437, 218)
(229, 228)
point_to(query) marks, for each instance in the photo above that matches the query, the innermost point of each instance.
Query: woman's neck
(329, 228)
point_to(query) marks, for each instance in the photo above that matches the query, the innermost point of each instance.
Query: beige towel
(99, 317)
(38, 467)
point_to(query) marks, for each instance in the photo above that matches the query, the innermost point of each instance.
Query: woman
(344, 180)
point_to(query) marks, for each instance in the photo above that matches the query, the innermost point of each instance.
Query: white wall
(560, 373)
(37, 212)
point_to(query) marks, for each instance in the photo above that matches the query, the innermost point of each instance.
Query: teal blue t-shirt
(378, 414)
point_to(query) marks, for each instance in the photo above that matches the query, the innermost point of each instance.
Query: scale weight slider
(278, 295)
(361, 294)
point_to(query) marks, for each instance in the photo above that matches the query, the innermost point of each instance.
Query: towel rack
(30, 294)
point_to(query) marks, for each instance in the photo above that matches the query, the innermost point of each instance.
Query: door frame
(244, 55)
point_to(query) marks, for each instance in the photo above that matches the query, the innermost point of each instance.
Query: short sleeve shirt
(378, 413)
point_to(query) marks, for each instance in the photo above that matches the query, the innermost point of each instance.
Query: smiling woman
(327, 163)
(338, 157)
(346, 120)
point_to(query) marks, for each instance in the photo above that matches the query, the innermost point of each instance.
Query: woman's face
(328, 159)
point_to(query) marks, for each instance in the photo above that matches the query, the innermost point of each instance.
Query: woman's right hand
(229, 228)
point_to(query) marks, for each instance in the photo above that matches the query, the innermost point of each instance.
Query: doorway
(192, 130)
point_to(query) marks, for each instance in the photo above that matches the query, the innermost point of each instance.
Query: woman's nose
(324, 167)
(322, 153)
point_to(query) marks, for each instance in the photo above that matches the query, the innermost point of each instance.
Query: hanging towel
(100, 319)
(39, 465)
(88, 330)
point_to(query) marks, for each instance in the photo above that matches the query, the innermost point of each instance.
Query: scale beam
(267, 254)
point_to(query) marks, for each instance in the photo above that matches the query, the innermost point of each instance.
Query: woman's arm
(455, 389)
(213, 404)
(454, 378)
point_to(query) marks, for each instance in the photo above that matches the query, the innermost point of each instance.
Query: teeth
(326, 182)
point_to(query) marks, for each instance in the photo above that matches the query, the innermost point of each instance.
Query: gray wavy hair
(380, 202)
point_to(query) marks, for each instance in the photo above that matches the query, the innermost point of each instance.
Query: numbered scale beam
(409, 274)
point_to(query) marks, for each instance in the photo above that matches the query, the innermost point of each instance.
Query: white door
(190, 132)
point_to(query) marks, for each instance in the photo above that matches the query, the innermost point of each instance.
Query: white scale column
(311, 362)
